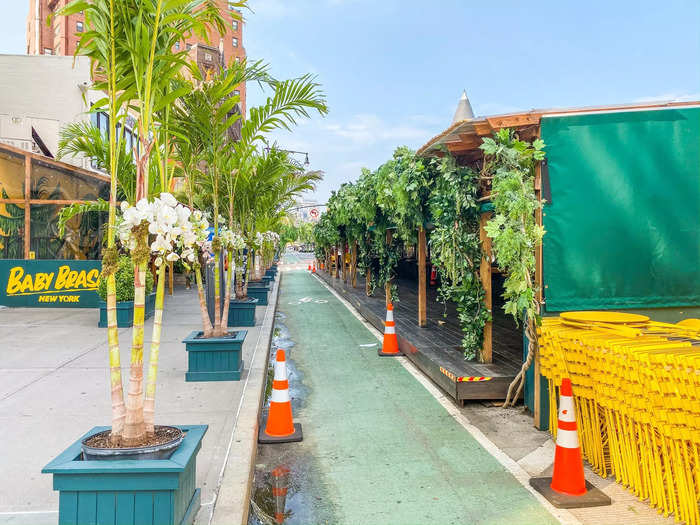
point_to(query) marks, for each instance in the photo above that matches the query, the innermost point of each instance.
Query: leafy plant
(456, 248)
(124, 280)
(514, 231)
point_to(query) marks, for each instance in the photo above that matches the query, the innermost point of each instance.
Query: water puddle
(287, 487)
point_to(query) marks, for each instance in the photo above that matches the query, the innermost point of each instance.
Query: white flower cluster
(168, 220)
(272, 237)
(231, 240)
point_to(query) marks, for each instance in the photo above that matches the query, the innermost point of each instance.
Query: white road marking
(562, 515)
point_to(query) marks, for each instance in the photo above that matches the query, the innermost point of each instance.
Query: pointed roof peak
(464, 109)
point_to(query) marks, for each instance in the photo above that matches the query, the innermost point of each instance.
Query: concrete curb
(233, 498)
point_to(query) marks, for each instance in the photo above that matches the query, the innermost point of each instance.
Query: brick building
(62, 36)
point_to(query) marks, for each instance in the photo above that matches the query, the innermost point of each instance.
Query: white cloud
(368, 128)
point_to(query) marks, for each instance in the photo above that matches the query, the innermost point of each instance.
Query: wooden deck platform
(435, 348)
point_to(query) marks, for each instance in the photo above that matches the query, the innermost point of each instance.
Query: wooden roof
(463, 138)
(48, 161)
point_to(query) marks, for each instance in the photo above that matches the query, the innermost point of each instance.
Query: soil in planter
(162, 435)
(229, 335)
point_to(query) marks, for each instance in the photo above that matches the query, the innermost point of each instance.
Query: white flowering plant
(167, 220)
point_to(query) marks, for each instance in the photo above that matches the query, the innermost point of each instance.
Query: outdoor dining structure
(620, 187)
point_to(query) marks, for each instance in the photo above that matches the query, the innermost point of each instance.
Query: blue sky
(393, 70)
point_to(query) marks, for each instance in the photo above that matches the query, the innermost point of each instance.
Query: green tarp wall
(623, 224)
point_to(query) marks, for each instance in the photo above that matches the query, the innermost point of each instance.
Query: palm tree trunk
(115, 367)
(218, 332)
(150, 401)
(134, 429)
(227, 294)
(207, 328)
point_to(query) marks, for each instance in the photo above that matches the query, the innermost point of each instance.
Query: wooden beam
(335, 258)
(27, 205)
(422, 281)
(485, 275)
(353, 262)
(511, 121)
(171, 267)
(345, 266)
(387, 286)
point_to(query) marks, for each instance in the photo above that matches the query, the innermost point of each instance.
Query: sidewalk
(54, 387)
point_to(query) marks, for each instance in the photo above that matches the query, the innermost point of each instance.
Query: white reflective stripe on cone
(567, 412)
(390, 330)
(389, 315)
(280, 370)
(279, 396)
(567, 438)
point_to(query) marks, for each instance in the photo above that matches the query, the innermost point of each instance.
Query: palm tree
(130, 44)
(202, 119)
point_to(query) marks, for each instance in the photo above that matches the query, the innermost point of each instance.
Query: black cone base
(266, 440)
(383, 354)
(594, 497)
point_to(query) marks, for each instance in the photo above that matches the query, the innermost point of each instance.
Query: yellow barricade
(636, 385)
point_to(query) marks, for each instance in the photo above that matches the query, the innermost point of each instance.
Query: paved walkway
(378, 447)
(54, 388)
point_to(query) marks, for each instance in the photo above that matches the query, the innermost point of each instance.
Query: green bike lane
(378, 447)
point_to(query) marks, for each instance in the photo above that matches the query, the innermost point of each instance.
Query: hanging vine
(456, 249)
(514, 232)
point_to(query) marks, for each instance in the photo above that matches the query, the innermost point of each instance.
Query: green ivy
(513, 230)
(455, 248)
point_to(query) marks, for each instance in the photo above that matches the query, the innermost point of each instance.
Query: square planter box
(271, 274)
(259, 293)
(125, 312)
(128, 492)
(267, 279)
(215, 358)
(241, 312)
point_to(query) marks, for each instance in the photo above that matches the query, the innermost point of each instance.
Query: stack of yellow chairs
(637, 389)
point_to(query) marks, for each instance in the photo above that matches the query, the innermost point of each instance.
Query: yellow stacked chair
(636, 385)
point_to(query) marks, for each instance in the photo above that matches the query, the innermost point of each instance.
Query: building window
(236, 92)
(79, 27)
(235, 41)
(238, 59)
(189, 46)
(235, 25)
(207, 57)
(48, 51)
(177, 46)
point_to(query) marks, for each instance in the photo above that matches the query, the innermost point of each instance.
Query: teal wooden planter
(128, 492)
(267, 279)
(214, 358)
(271, 274)
(241, 312)
(125, 312)
(259, 293)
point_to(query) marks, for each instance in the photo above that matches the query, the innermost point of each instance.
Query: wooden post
(485, 275)
(171, 267)
(368, 278)
(422, 284)
(345, 268)
(337, 266)
(27, 206)
(353, 262)
(387, 286)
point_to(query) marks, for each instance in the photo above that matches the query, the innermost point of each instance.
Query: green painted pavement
(386, 450)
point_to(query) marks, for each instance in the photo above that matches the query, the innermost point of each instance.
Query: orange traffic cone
(308, 268)
(390, 346)
(568, 488)
(280, 427)
(313, 268)
(568, 465)
(279, 492)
